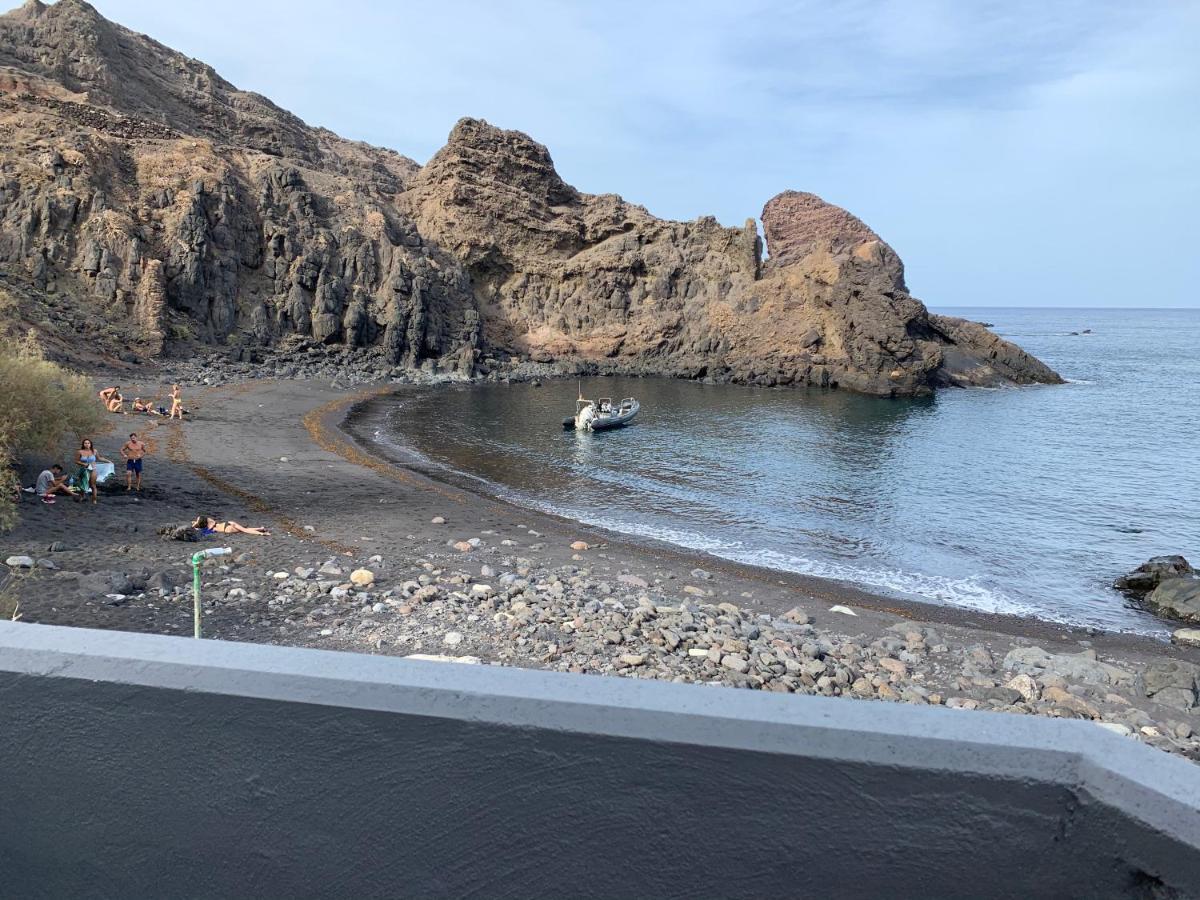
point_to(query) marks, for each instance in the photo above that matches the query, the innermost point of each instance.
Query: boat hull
(617, 420)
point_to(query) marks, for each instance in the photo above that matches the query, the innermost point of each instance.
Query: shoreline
(345, 419)
(373, 557)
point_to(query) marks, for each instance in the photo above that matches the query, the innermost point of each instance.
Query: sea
(1026, 501)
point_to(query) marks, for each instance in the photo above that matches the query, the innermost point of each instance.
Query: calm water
(1023, 501)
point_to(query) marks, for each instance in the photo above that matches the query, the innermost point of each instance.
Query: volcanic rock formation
(147, 205)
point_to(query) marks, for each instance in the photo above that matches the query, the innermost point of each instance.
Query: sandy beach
(455, 573)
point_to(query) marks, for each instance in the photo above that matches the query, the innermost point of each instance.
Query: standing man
(133, 451)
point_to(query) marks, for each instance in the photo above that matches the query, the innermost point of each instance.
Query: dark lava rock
(1176, 598)
(1151, 573)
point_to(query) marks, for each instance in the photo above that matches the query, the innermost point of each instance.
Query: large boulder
(1172, 682)
(1151, 573)
(1176, 598)
(1083, 666)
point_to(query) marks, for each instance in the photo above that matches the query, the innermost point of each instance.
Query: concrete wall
(137, 765)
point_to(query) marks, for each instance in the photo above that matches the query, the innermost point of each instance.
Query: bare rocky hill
(148, 206)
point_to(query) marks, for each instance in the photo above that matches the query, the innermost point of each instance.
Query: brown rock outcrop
(144, 195)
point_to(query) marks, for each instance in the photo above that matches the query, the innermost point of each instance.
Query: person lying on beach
(146, 407)
(207, 525)
(50, 482)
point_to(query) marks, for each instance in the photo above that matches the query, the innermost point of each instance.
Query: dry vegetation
(40, 403)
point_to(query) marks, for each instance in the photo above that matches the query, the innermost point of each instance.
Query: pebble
(438, 520)
(844, 610)
(1116, 728)
(452, 638)
(362, 577)
(797, 616)
(19, 562)
(462, 546)
(1026, 687)
(581, 545)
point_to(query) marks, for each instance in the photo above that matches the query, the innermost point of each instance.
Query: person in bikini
(176, 403)
(207, 525)
(133, 451)
(112, 399)
(86, 458)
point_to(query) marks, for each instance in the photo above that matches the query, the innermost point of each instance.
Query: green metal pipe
(197, 558)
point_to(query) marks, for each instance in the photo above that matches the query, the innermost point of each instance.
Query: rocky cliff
(148, 206)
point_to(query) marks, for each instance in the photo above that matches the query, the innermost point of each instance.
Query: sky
(1013, 153)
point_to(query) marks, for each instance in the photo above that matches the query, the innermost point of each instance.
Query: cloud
(1015, 153)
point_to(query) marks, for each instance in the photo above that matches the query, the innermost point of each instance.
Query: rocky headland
(150, 209)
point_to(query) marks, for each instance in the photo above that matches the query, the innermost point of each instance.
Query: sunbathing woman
(208, 525)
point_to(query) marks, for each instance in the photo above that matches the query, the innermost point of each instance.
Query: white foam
(968, 593)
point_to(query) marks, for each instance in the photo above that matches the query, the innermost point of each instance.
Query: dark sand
(276, 453)
(226, 461)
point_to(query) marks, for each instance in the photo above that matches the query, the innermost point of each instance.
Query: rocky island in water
(158, 224)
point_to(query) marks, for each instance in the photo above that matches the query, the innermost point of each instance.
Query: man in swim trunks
(133, 451)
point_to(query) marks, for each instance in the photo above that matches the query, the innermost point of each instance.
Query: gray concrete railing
(136, 765)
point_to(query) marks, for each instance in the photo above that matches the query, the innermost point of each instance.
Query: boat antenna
(579, 385)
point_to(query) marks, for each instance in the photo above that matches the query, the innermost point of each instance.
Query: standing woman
(86, 458)
(176, 403)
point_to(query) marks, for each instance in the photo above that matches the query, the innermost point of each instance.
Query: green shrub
(40, 403)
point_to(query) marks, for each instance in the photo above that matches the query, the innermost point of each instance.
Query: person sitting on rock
(50, 482)
(207, 525)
